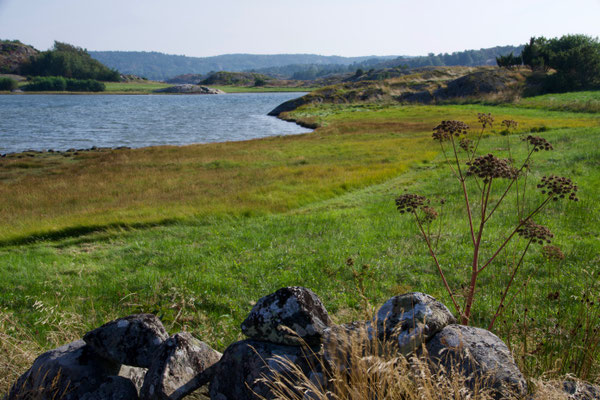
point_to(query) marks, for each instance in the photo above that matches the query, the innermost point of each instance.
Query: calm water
(60, 122)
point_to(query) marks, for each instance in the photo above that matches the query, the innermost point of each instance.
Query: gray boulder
(131, 340)
(290, 316)
(577, 390)
(479, 355)
(239, 373)
(65, 373)
(411, 319)
(180, 367)
(114, 388)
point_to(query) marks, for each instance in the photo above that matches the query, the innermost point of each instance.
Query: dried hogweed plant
(493, 178)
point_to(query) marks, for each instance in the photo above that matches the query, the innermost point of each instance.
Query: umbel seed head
(510, 124)
(489, 166)
(447, 129)
(485, 119)
(558, 187)
(410, 202)
(538, 143)
(534, 232)
(466, 144)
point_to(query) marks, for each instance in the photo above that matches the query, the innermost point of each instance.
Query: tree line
(568, 63)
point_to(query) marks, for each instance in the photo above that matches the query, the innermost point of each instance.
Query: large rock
(411, 319)
(65, 373)
(131, 340)
(480, 355)
(238, 375)
(179, 368)
(290, 316)
(114, 388)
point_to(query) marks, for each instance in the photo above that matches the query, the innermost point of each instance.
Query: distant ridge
(160, 66)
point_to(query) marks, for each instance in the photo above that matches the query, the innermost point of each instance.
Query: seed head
(537, 233)
(558, 187)
(490, 166)
(410, 202)
(446, 129)
(553, 253)
(510, 124)
(485, 119)
(538, 143)
(466, 144)
(429, 214)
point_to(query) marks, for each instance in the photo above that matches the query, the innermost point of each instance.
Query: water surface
(60, 122)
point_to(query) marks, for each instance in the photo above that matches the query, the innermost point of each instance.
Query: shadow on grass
(76, 231)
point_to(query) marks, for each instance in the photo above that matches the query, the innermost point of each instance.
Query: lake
(60, 122)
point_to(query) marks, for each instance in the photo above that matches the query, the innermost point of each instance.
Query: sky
(328, 27)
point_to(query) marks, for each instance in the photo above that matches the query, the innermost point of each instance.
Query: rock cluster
(134, 358)
(129, 358)
(189, 89)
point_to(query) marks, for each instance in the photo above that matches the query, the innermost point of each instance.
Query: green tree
(535, 54)
(576, 59)
(70, 62)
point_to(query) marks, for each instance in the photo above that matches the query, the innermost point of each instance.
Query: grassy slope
(332, 192)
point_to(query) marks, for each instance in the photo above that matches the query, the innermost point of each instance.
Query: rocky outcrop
(179, 368)
(412, 319)
(291, 316)
(480, 355)
(14, 55)
(133, 340)
(189, 89)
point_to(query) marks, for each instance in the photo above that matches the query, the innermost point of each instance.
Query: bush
(47, 83)
(8, 84)
(60, 84)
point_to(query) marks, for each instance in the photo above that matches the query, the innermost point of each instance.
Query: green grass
(291, 211)
(588, 101)
(134, 87)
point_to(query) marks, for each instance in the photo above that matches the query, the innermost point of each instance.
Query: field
(196, 234)
(576, 101)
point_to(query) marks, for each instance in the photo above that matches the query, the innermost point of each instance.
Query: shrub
(60, 84)
(8, 84)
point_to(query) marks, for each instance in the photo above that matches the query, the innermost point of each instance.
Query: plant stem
(512, 277)
(515, 231)
(464, 187)
(510, 185)
(439, 268)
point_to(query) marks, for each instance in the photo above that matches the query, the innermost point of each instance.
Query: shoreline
(104, 149)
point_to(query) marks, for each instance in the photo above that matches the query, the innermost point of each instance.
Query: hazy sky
(329, 27)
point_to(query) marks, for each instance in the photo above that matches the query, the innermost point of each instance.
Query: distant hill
(160, 66)
(390, 68)
(467, 58)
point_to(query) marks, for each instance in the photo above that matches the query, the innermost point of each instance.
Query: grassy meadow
(197, 234)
